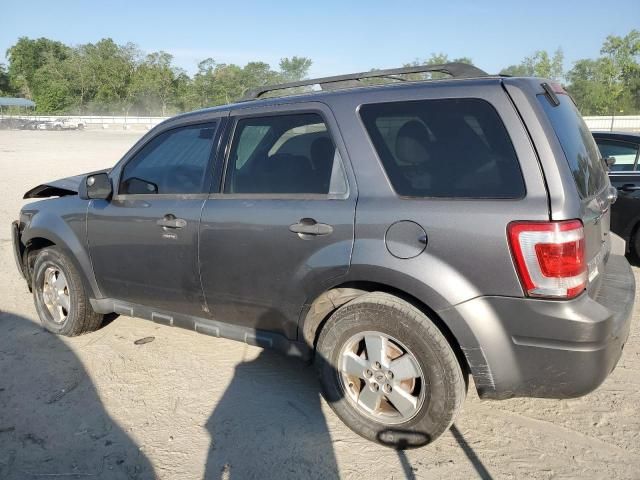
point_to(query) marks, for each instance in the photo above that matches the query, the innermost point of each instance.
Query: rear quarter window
(578, 145)
(451, 148)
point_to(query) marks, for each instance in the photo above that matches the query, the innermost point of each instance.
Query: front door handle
(170, 221)
(308, 226)
(629, 187)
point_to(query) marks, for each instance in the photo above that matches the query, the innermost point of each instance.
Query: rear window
(578, 145)
(454, 148)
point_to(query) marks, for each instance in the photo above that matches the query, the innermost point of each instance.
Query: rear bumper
(520, 347)
(18, 248)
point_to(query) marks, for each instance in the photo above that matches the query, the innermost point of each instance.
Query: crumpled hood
(59, 188)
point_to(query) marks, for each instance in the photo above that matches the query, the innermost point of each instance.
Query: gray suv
(403, 234)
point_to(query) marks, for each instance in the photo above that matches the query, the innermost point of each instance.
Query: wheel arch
(42, 233)
(326, 303)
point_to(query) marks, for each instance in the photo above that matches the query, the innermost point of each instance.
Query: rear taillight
(549, 257)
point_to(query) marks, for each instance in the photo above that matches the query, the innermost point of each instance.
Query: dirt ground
(188, 406)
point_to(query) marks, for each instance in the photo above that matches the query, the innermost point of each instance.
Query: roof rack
(454, 69)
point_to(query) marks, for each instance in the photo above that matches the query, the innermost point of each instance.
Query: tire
(634, 245)
(436, 394)
(60, 297)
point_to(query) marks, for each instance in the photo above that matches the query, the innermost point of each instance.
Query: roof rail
(454, 69)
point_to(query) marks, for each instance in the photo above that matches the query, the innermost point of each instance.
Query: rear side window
(624, 153)
(284, 154)
(578, 145)
(456, 148)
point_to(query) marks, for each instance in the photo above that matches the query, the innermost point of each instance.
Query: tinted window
(173, 162)
(284, 154)
(624, 153)
(578, 145)
(444, 148)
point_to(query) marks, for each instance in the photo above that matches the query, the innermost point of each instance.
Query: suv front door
(281, 225)
(144, 241)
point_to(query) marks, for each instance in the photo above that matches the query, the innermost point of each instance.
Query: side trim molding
(207, 326)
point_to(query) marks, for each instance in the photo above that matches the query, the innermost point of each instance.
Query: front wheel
(60, 297)
(388, 372)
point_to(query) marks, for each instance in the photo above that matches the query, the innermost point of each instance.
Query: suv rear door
(280, 225)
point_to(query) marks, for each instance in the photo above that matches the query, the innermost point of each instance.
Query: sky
(339, 36)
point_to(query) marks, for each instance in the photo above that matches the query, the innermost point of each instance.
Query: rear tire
(412, 395)
(60, 297)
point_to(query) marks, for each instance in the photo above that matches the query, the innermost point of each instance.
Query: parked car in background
(17, 123)
(10, 123)
(625, 176)
(61, 124)
(403, 237)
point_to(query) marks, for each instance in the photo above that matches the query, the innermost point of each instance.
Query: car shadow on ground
(52, 421)
(269, 424)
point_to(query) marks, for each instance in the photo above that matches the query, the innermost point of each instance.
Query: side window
(284, 154)
(624, 153)
(452, 148)
(174, 162)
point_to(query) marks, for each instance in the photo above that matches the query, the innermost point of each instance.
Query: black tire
(80, 318)
(444, 382)
(634, 245)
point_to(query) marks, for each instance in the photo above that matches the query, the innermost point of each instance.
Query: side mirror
(609, 161)
(97, 185)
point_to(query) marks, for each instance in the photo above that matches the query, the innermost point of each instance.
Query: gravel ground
(190, 406)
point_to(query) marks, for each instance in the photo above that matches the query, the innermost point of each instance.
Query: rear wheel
(388, 372)
(59, 295)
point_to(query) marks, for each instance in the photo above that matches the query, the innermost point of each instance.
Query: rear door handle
(308, 226)
(170, 221)
(629, 187)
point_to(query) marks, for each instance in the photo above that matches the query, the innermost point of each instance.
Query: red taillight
(549, 257)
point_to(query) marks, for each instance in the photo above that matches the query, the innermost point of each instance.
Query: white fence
(620, 123)
(99, 121)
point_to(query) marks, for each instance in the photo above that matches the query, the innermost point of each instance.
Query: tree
(609, 84)
(154, 82)
(540, 64)
(5, 85)
(113, 67)
(31, 64)
(294, 68)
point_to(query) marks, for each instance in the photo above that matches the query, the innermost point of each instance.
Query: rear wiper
(550, 94)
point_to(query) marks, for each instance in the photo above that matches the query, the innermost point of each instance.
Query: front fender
(66, 228)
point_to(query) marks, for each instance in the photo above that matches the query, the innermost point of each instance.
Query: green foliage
(108, 78)
(540, 64)
(5, 85)
(294, 68)
(609, 84)
(105, 77)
